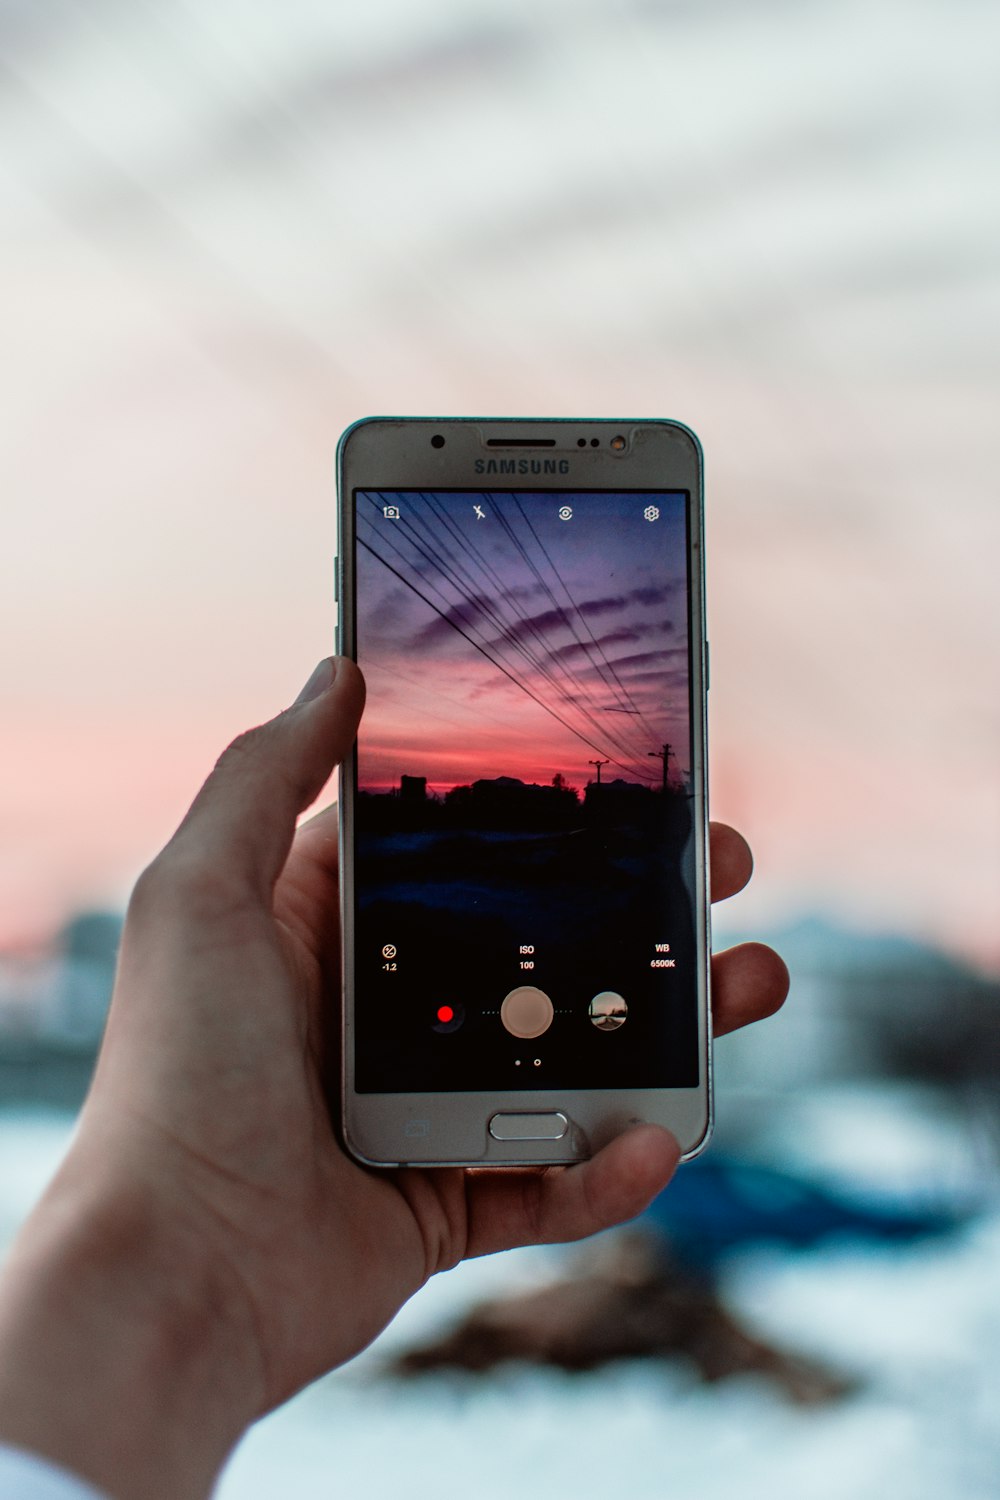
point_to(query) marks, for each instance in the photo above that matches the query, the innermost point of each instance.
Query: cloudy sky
(519, 643)
(230, 229)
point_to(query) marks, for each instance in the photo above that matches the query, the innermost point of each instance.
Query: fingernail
(321, 679)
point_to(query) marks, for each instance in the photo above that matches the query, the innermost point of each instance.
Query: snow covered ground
(918, 1327)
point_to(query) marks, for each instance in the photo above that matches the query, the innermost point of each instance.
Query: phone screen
(523, 808)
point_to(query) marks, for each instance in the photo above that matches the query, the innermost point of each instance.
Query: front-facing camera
(437, 441)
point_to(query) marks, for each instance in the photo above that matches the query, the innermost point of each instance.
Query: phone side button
(550, 1126)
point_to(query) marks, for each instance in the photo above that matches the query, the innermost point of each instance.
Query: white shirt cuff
(25, 1476)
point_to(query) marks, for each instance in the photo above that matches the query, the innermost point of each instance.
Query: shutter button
(527, 1012)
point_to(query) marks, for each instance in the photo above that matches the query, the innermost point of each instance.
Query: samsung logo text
(522, 465)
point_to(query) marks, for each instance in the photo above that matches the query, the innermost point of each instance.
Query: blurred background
(229, 229)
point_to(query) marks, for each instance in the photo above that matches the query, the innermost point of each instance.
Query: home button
(551, 1125)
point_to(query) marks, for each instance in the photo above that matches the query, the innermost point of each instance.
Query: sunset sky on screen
(519, 643)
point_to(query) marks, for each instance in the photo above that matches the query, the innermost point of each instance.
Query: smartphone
(523, 831)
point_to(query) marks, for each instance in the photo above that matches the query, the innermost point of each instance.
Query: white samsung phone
(523, 821)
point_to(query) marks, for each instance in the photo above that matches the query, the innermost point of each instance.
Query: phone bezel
(436, 1129)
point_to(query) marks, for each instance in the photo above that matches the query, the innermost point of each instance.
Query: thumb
(243, 819)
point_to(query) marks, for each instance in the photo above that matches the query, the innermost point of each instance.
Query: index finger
(731, 861)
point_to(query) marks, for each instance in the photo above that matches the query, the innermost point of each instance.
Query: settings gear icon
(652, 512)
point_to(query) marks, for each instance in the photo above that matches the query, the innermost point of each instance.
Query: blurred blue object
(720, 1204)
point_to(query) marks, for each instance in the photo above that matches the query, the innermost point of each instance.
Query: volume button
(708, 674)
(336, 579)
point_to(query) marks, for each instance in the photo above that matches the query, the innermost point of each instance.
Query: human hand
(227, 1248)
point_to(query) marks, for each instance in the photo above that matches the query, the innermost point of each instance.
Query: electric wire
(595, 734)
(595, 727)
(561, 611)
(547, 707)
(553, 662)
(633, 706)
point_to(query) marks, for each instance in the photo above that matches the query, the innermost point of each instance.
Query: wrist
(123, 1357)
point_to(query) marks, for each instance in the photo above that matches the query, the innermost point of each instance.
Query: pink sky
(849, 730)
(140, 649)
(455, 747)
(189, 324)
(491, 670)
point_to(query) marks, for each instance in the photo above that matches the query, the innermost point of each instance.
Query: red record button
(448, 1017)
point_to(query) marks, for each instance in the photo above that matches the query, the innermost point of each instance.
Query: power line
(558, 608)
(626, 696)
(477, 602)
(471, 604)
(483, 652)
(553, 662)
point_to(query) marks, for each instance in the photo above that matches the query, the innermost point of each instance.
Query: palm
(394, 1229)
(235, 1087)
(232, 1250)
(337, 1224)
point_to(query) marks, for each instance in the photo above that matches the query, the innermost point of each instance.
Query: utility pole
(663, 755)
(598, 764)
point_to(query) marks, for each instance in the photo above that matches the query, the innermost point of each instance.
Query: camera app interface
(524, 912)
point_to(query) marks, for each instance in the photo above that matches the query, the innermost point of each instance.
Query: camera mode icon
(608, 1011)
